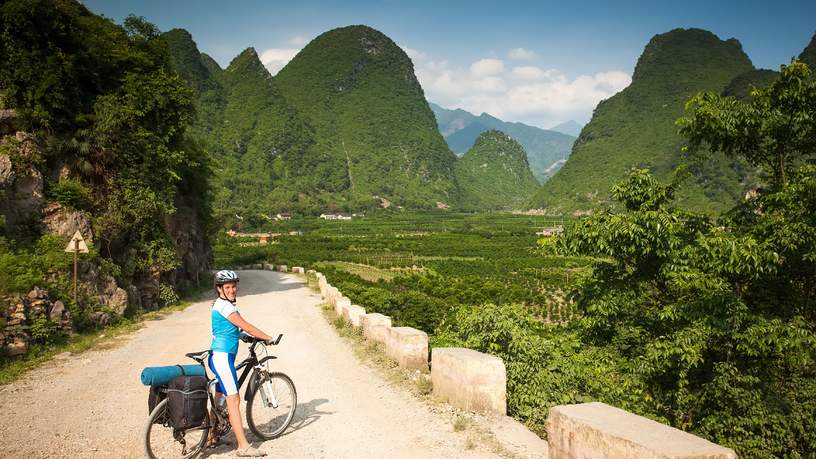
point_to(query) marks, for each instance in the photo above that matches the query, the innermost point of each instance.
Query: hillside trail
(92, 404)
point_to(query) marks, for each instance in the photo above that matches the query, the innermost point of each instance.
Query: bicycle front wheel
(271, 405)
(162, 441)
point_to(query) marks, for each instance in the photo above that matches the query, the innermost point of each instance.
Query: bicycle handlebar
(247, 338)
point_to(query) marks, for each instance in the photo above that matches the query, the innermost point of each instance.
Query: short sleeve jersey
(225, 333)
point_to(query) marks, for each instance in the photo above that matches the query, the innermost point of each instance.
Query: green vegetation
(12, 369)
(808, 55)
(375, 132)
(439, 261)
(635, 128)
(742, 85)
(101, 109)
(544, 148)
(714, 319)
(262, 150)
(494, 174)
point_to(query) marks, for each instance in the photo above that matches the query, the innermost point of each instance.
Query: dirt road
(93, 405)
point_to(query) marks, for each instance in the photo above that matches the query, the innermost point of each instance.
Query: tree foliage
(717, 318)
(111, 116)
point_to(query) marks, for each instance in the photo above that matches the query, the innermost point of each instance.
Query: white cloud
(276, 58)
(530, 94)
(413, 53)
(297, 40)
(521, 54)
(528, 73)
(486, 67)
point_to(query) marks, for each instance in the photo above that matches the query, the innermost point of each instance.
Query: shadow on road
(307, 414)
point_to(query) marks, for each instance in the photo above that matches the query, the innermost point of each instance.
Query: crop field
(419, 268)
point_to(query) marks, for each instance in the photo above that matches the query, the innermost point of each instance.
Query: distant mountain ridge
(544, 148)
(494, 174)
(570, 127)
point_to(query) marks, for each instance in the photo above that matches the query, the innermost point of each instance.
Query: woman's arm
(239, 322)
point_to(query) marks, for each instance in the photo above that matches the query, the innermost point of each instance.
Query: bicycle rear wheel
(162, 441)
(268, 415)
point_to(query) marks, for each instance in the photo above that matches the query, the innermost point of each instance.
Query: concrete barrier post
(340, 303)
(298, 270)
(409, 347)
(352, 314)
(375, 327)
(469, 380)
(283, 268)
(590, 430)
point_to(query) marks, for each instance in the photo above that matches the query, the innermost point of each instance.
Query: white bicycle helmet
(225, 276)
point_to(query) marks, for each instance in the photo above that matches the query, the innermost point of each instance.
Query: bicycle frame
(249, 364)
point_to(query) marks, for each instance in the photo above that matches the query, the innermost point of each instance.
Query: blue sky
(531, 61)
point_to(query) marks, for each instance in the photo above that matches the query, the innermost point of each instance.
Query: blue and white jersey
(225, 334)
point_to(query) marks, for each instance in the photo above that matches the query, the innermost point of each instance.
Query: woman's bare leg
(234, 410)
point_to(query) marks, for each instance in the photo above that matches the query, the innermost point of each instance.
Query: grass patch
(371, 273)
(12, 368)
(460, 422)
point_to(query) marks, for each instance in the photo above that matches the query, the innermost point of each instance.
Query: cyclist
(227, 324)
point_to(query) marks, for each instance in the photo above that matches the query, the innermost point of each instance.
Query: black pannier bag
(154, 397)
(187, 401)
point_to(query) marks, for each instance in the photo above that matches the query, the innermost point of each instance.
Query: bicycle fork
(267, 393)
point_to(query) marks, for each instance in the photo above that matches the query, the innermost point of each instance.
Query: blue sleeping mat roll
(156, 376)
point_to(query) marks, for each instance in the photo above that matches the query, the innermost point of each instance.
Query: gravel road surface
(93, 405)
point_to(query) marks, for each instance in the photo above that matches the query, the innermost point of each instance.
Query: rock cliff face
(21, 183)
(31, 317)
(27, 212)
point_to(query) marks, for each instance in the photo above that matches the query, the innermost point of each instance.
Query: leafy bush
(43, 330)
(167, 294)
(70, 193)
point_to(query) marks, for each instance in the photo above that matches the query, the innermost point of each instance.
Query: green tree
(717, 317)
(775, 129)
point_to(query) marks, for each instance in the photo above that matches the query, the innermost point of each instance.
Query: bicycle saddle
(199, 356)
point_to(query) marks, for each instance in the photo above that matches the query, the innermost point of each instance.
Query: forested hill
(545, 149)
(808, 56)
(263, 152)
(371, 122)
(93, 138)
(494, 174)
(636, 127)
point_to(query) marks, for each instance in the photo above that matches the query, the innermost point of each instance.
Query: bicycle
(270, 395)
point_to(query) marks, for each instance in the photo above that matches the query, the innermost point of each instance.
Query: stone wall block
(409, 347)
(597, 430)
(469, 380)
(340, 303)
(352, 314)
(375, 327)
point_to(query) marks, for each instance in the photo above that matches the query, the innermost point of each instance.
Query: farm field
(420, 268)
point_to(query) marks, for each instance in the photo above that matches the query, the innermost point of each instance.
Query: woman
(227, 324)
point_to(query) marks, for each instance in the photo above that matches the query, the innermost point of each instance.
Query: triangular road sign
(72, 246)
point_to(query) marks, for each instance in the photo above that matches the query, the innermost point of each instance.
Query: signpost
(76, 245)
